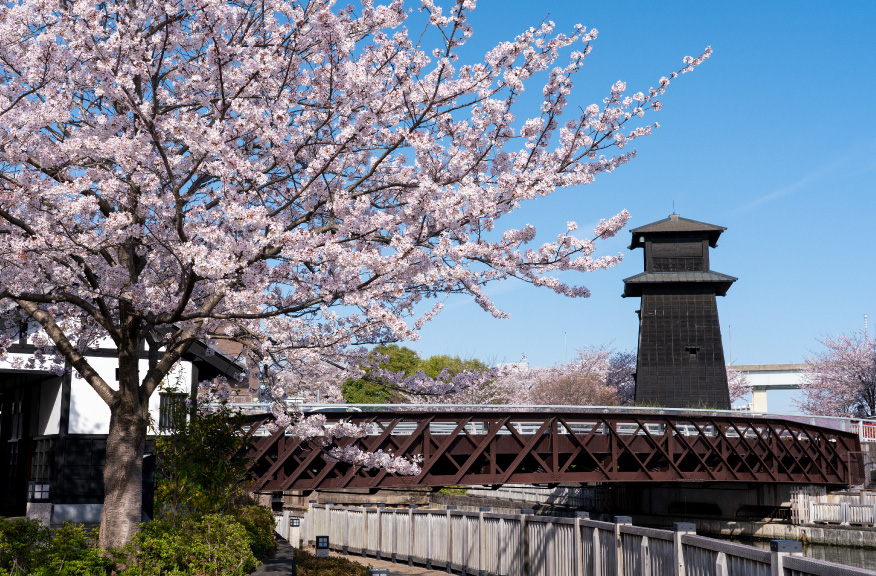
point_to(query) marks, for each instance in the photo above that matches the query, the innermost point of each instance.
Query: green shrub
(214, 545)
(29, 548)
(202, 464)
(259, 524)
(23, 545)
(73, 552)
(202, 476)
(647, 404)
(184, 545)
(306, 564)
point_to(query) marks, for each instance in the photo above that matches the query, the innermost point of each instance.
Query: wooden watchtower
(681, 357)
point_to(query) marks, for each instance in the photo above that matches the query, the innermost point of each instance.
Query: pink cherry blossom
(595, 376)
(294, 178)
(738, 383)
(841, 379)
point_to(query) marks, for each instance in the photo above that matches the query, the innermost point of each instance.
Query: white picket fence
(491, 544)
(814, 505)
(575, 497)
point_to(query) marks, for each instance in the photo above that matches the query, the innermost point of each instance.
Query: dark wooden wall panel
(681, 356)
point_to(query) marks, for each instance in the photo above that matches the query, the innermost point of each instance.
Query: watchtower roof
(721, 282)
(675, 224)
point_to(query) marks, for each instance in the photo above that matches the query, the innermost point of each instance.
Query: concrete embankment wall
(474, 504)
(813, 534)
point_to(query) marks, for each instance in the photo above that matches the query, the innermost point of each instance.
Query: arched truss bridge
(490, 447)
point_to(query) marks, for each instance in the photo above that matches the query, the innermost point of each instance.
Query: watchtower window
(677, 264)
(679, 256)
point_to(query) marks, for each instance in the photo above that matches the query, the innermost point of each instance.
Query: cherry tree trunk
(123, 472)
(122, 479)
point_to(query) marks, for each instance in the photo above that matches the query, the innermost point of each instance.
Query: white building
(53, 430)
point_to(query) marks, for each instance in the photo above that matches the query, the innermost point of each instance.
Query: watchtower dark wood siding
(681, 357)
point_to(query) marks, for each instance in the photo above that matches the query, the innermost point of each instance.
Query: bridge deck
(492, 448)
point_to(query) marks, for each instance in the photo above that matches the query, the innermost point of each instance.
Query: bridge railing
(866, 429)
(527, 545)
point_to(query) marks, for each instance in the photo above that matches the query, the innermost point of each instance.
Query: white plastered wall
(50, 407)
(90, 415)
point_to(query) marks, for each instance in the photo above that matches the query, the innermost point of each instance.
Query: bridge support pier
(759, 400)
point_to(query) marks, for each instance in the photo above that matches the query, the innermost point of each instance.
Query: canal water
(859, 557)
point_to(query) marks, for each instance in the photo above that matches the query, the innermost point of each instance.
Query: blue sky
(774, 137)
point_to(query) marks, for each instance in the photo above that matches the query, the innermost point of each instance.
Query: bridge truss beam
(493, 448)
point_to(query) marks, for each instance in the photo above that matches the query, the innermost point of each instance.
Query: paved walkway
(281, 564)
(395, 568)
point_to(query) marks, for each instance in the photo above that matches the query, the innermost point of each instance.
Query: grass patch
(307, 564)
(454, 490)
(647, 404)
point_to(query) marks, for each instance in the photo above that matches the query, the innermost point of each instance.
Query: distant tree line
(595, 376)
(372, 388)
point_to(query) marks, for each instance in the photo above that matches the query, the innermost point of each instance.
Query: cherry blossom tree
(738, 383)
(841, 379)
(288, 175)
(621, 375)
(371, 390)
(596, 376)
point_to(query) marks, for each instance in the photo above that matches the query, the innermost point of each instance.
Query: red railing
(865, 429)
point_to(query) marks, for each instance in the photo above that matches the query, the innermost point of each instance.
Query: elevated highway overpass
(767, 377)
